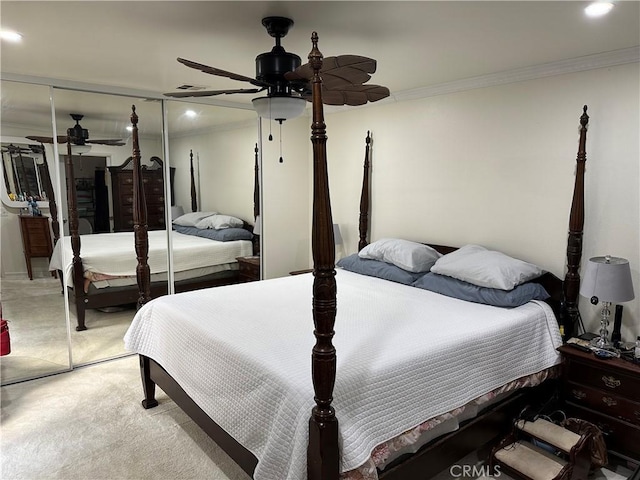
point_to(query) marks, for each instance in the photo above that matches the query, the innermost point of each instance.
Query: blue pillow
(462, 290)
(377, 268)
(225, 235)
(185, 229)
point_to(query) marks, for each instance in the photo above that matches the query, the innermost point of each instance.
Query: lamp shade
(609, 279)
(279, 108)
(257, 228)
(337, 237)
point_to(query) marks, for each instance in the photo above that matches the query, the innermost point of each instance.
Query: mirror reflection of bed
(207, 135)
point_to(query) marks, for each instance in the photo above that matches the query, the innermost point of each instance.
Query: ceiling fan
(287, 82)
(78, 136)
(15, 150)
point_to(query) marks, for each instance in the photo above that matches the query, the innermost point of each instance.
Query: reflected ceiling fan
(78, 136)
(15, 150)
(287, 82)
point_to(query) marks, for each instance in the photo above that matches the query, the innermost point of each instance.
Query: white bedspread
(243, 353)
(114, 253)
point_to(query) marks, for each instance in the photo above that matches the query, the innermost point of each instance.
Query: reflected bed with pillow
(214, 226)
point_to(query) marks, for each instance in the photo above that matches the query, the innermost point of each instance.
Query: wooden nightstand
(249, 269)
(36, 239)
(606, 393)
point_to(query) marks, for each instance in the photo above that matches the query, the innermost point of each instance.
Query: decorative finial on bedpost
(322, 454)
(140, 227)
(576, 226)
(363, 226)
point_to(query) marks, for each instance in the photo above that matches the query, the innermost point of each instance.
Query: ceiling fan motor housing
(271, 67)
(78, 134)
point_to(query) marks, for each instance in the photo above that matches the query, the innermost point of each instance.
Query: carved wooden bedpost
(322, 453)
(576, 226)
(78, 273)
(47, 186)
(256, 199)
(194, 196)
(364, 197)
(140, 227)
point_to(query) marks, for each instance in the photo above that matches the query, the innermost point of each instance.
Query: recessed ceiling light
(10, 36)
(598, 9)
(190, 113)
(129, 128)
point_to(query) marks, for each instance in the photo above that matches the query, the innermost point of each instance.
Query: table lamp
(608, 280)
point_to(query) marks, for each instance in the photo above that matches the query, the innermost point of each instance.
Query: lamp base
(602, 343)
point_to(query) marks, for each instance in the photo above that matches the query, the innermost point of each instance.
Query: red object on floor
(5, 341)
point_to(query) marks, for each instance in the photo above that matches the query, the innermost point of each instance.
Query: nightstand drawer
(604, 401)
(603, 378)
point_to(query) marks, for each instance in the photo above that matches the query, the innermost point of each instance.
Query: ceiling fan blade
(337, 72)
(36, 138)
(222, 73)
(352, 95)
(210, 93)
(116, 142)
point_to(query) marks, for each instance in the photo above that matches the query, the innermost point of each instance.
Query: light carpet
(38, 329)
(89, 424)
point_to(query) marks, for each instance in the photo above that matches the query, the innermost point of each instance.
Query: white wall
(495, 166)
(225, 161)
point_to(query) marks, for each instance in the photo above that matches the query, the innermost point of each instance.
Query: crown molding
(579, 64)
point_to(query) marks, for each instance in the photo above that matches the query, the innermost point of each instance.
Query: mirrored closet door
(31, 297)
(212, 150)
(97, 181)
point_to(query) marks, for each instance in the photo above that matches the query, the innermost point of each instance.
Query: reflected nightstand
(249, 269)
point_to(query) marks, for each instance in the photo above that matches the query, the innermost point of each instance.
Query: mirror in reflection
(30, 296)
(97, 256)
(214, 153)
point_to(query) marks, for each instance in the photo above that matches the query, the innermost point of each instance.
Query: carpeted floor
(39, 334)
(89, 424)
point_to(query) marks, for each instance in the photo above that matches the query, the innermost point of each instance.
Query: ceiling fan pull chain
(281, 160)
(270, 121)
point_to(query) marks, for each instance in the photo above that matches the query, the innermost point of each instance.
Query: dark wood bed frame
(111, 296)
(323, 450)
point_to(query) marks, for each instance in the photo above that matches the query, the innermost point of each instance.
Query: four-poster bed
(372, 398)
(101, 268)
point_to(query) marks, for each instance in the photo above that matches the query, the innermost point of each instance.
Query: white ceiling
(134, 44)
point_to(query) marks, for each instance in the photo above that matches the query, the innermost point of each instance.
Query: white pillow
(410, 256)
(486, 268)
(190, 219)
(219, 222)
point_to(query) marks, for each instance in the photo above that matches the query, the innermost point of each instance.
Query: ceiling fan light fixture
(279, 108)
(80, 149)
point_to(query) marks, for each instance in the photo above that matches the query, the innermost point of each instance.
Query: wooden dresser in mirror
(122, 194)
